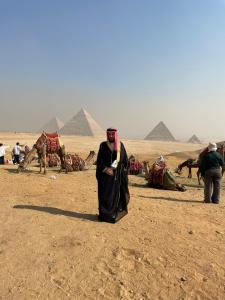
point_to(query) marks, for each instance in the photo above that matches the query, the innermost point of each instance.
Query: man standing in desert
(112, 177)
(16, 153)
(210, 168)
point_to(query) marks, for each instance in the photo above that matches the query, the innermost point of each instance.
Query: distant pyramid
(52, 126)
(82, 124)
(194, 139)
(160, 133)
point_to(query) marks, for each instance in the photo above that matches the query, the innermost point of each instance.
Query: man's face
(111, 136)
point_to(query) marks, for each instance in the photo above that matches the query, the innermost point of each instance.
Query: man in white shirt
(2, 153)
(16, 153)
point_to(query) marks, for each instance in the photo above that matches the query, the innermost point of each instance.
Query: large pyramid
(194, 139)
(52, 126)
(160, 133)
(82, 124)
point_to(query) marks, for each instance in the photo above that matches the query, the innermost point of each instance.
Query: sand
(169, 246)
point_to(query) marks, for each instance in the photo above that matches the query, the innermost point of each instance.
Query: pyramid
(160, 133)
(194, 139)
(82, 124)
(52, 126)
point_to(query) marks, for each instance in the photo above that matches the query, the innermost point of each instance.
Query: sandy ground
(169, 246)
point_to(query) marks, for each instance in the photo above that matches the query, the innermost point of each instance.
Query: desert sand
(169, 246)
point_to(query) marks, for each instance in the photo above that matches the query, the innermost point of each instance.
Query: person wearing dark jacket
(112, 177)
(211, 167)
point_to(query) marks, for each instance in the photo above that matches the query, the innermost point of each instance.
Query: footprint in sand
(123, 253)
(66, 242)
(104, 268)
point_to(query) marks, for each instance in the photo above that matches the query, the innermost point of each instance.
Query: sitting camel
(46, 144)
(74, 162)
(135, 167)
(159, 176)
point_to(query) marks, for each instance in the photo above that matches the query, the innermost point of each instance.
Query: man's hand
(109, 171)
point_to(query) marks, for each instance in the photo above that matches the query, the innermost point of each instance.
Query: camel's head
(21, 168)
(178, 171)
(24, 164)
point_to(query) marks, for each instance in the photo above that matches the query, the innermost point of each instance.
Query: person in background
(211, 169)
(2, 153)
(16, 153)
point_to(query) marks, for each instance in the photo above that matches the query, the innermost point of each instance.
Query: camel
(193, 163)
(189, 163)
(27, 160)
(46, 144)
(158, 176)
(74, 162)
(134, 166)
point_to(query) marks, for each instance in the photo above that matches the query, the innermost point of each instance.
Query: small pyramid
(160, 133)
(52, 126)
(82, 124)
(194, 139)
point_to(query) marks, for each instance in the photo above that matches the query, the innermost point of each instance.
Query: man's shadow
(58, 211)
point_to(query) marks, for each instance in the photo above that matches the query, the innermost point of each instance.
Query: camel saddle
(156, 174)
(53, 144)
(135, 167)
(51, 140)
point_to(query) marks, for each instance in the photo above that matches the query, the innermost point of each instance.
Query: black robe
(113, 193)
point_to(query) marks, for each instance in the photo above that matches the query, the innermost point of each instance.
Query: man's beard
(111, 140)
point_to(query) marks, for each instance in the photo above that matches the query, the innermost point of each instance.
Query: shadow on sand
(144, 185)
(13, 171)
(172, 199)
(58, 211)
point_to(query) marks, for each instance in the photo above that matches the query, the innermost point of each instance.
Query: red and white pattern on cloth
(53, 145)
(74, 162)
(51, 140)
(156, 174)
(135, 167)
(53, 160)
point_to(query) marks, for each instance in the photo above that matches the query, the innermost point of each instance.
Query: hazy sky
(129, 63)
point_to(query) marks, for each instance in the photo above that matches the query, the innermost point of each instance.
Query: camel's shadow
(12, 171)
(15, 171)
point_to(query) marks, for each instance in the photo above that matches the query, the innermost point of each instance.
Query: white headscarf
(160, 160)
(212, 147)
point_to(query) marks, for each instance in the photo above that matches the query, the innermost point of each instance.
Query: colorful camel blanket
(53, 144)
(51, 140)
(135, 167)
(74, 162)
(156, 174)
(53, 160)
